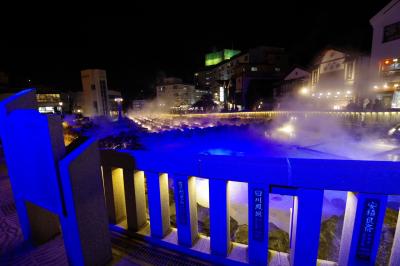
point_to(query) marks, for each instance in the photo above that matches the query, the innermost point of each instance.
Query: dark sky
(134, 48)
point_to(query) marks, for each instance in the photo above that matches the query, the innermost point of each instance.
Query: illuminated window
(254, 69)
(48, 98)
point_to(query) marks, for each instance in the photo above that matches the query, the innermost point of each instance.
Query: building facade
(295, 85)
(338, 79)
(238, 82)
(53, 101)
(113, 102)
(174, 94)
(385, 55)
(95, 94)
(49, 100)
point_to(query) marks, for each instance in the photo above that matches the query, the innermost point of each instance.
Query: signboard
(182, 203)
(215, 58)
(258, 214)
(368, 229)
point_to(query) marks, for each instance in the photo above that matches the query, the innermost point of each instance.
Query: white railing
(368, 184)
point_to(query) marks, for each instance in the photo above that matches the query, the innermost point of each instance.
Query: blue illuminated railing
(367, 182)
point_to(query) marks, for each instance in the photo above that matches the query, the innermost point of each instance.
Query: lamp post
(119, 101)
(60, 104)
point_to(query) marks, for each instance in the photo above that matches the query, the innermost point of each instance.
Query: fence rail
(368, 183)
(365, 116)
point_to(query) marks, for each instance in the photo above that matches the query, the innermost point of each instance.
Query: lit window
(254, 69)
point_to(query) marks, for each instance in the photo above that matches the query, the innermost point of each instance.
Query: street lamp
(119, 101)
(60, 104)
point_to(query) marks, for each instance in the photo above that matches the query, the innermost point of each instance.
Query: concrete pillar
(135, 200)
(219, 218)
(109, 194)
(119, 194)
(186, 210)
(362, 228)
(157, 188)
(395, 256)
(258, 224)
(307, 213)
(85, 226)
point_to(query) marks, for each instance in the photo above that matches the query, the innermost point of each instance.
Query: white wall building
(95, 99)
(338, 78)
(173, 93)
(385, 54)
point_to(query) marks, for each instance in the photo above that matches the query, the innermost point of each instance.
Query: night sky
(146, 43)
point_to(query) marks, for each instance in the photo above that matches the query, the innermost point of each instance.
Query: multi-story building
(139, 105)
(237, 82)
(53, 101)
(95, 94)
(385, 55)
(175, 94)
(338, 78)
(49, 100)
(295, 85)
(114, 98)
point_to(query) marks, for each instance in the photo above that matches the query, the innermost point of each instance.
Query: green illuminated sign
(217, 57)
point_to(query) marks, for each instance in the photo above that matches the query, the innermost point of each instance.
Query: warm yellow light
(287, 129)
(202, 191)
(304, 91)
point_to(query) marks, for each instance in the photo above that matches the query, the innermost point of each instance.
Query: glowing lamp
(118, 100)
(304, 91)
(387, 62)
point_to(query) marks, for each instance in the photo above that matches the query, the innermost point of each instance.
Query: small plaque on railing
(182, 203)
(258, 214)
(368, 229)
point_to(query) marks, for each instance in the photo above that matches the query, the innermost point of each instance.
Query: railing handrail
(367, 176)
